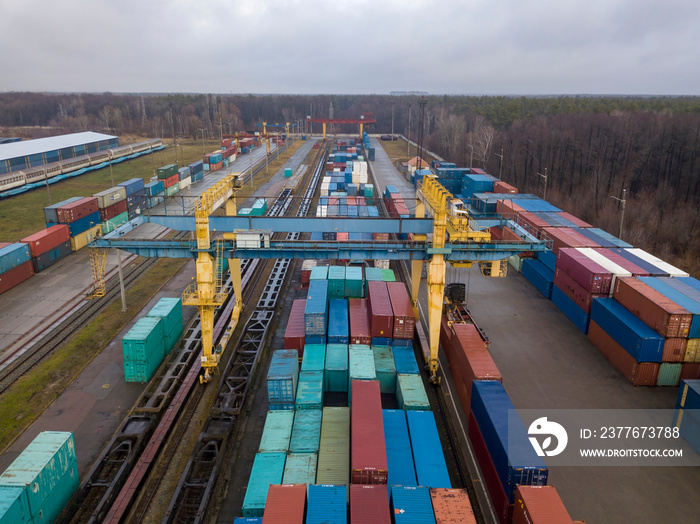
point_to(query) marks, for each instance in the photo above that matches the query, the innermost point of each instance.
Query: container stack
(81, 215)
(170, 311)
(48, 246)
(196, 171)
(135, 196)
(40, 482)
(282, 379)
(184, 177)
(258, 209)
(154, 193)
(113, 208)
(15, 265)
(144, 349)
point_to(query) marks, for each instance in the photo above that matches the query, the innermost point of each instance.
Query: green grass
(397, 151)
(34, 392)
(23, 215)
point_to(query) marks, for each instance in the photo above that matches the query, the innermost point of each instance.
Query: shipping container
(154, 188)
(399, 456)
(360, 364)
(17, 275)
(167, 171)
(316, 311)
(277, 432)
(690, 371)
(369, 504)
(360, 332)
(333, 465)
(410, 392)
(373, 274)
(319, 273)
(354, 287)
(385, 368)
(380, 311)
(76, 210)
(405, 360)
(574, 291)
(669, 374)
(170, 310)
(13, 256)
(639, 374)
(300, 468)
(693, 307)
(658, 312)
(651, 269)
(506, 438)
(539, 505)
(310, 389)
(327, 504)
(612, 267)
(141, 371)
(431, 468)
(110, 196)
(51, 212)
(14, 506)
(52, 507)
(114, 223)
(404, 317)
(539, 276)
(589, 274)
(145, 338)
(81, 240)
(335, 374)
(49, 258)
(47, 239)
(338, 322)
(306, 432)
(368, 451)
(314, 357)
(573, 312)
(294, 335)
(651, 259)
(452, 506)
(412, 505)
(268, 468)
(282, 379)
(336, 282)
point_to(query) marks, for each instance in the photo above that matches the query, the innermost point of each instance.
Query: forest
(581, 150)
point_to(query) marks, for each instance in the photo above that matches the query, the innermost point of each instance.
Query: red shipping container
(368, 463)
(639, 374)
(351, 201)
(572, 218)
(295, 332)
(15, 276)
(381, 316)
(689, 370)
(533, 223)
(581, 238)
(404, 317)
(504, 511)
(539, 505)
(76, 210)
(171, 181)
(359, 321)
(369, 504)
(496, 233)
(674, 349)
(110, 212)
(401, 210)
(452, 506)
(47, 239)
(508, 209)
(561, 238)
(508, 234)
(285, 504)
(658, 312)
(342, 237)
(592, 277)
(361, 201)
(623, 262)
(574, 291)
(380, 236)
(4, 244)
(502, 187)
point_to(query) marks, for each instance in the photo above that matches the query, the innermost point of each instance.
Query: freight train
(54, 169)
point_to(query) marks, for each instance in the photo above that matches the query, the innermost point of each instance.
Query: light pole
(623, 201)
(544, 194)
(202, 129)
(471, 157)
(500, 165)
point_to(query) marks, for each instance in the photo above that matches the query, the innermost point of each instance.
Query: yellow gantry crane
(448, 219)
(207, 292)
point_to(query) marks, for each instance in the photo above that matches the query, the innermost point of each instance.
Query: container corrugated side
(669, 374)
(282, 379)
(316, 311)
(405, 360)
(14, 507)
(665, 266)
(309, 390)
(369, 504)
(360, 364)
(360, 332)
(268, 468)
(368, 451)
(338, 322)
(689, 395)
(333, 466)
(380, 312)
(410, 392)
(81, 240)
(539, 276)
(354, 284)
(412, 505)
(50, 212)
(300, 468)
(47, 239)
(306, 432)
(385, 368)
(277, 432)
(335, 374)
(16, 276)
(294, 335)
(684, 301)
(452, 506)
(327, 504)
(110, 196)
(572, 311)
(336, 282)
(404, 317)
(314, 357)
(399, 456)
(52, 507)
(141, 371)
(285, 504)
(170, 310)
(431, 468)
(539, 505)
(13, 256)
(145, 338)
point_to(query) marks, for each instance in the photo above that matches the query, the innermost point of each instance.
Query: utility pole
(500, 165)
(544, 194)
(110, 171)
(121, 279)
(392, 120)
(622, 201)
(203, 130)
(471, 157)
(172, 124)
(408, 142)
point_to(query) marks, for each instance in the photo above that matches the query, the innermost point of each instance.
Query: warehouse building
(17, 156)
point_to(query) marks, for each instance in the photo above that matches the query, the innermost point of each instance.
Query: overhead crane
(365, 118)
(455, 238)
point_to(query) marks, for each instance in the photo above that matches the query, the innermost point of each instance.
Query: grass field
(397, 151)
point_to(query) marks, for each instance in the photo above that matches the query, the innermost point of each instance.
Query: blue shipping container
(247, 520)
(399, 457)
(316, 312)
(132, 186)
(282, 379)
(327, 504)
(431, 469)
(567, 306)
(548, 258)
(83, 224)
(338, 323)
(412, 505)
(689, 395)
(539, 276)
(646, 266)
(683, 287)
(638, 339)
(679, 298)
(475, 184)
(13, 256)
(690, 281)
(154, 188)
(405, 360)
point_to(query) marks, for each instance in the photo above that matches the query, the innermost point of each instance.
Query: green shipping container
(314, 357)
(141, 371)
(333, 466)
(300, 468)
(41, 466)
(410, 393)
(167, 171)
(268, 468)
(170, 310)
(310, 391)
(170, 339)
(336, 281)
(669, 374)
(361, 365)
(170, 191)
(388, 275)
(143, 339)
(114, 223)
(287, 173)
(385, 368)
(306, 432)
(59, 497)
(14, 506)
(373, 273)
(277, 432)
(354, 287)
(335, 375)
(319, 273)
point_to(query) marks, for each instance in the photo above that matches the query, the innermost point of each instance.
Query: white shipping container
(110, 196)
(664, 266)
(381, 264)
(185, 182)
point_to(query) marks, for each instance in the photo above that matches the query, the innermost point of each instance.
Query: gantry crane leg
(417, 265)
(436, 293)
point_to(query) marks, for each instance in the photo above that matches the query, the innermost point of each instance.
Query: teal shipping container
(373, 273)
(410, 393)
(110, 225)
(388, 275)
(170, 339)
(336, 281)
(335, 375)
(669, 374)
(14, 506)
(361, 365)
(287, 174)
(310, 390)
(144, 339)
(385, 368)
(268, 468)
(354, 285)
(306, 433)
(314, 357)
(141, 371)
(319, 273)
(59, 497)
(300, 468)
(277, 432)
(42, 465)
(333, 466)
(170, 310)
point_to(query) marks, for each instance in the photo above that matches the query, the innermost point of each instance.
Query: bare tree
(483, 137)
(450, 129)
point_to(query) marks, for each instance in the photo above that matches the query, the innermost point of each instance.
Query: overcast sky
(361, 46)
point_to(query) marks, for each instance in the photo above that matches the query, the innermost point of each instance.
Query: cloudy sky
(360, 46)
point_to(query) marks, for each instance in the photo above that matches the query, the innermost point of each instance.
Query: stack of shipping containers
(113, 208)
(48, 246)
(81, 215)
